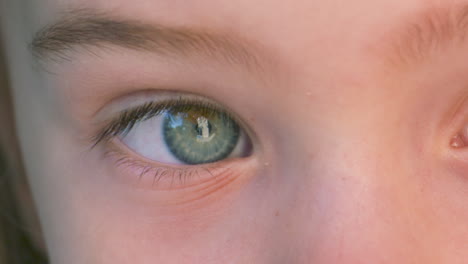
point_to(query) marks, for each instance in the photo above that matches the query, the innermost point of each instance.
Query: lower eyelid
(184, 184)
(164, 177)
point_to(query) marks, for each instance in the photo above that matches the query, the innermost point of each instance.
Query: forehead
(299, 32)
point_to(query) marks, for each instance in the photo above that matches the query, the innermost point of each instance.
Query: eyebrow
(82, 28)
(426, 33)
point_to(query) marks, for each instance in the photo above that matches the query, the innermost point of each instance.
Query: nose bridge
(353, 204)
(350, 184)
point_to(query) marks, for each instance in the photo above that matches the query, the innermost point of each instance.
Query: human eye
(176, 140)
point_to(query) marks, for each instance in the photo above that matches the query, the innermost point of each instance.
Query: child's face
(352, 110)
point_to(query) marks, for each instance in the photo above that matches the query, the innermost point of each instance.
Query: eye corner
(459, 139)
(456, 150)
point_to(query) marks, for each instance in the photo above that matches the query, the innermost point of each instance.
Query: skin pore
(351, 109)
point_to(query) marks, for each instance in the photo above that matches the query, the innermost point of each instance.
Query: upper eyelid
(150, 95)
(111, 125)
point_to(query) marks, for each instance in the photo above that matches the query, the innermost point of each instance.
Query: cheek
(118, 223)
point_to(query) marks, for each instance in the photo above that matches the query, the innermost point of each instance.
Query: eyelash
(127, 119)
(164, 177)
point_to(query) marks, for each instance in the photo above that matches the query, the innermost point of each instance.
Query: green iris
(198, 134)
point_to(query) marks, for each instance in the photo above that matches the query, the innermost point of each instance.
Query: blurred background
(16, 246)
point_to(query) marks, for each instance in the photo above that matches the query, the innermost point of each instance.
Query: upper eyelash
(127, 119)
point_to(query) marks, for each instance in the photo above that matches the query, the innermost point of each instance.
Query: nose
(357, 202)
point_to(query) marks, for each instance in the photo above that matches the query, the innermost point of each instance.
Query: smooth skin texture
(351, 108)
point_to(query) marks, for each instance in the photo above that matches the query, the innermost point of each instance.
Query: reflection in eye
(180, 132)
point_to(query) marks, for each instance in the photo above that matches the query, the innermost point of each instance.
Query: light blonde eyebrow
(89, 29)
(428, 32)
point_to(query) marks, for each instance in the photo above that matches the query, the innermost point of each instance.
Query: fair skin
(357, 154)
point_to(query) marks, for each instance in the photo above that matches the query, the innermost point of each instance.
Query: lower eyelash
(165, 177)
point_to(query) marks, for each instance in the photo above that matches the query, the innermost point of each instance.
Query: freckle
(277, 213)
